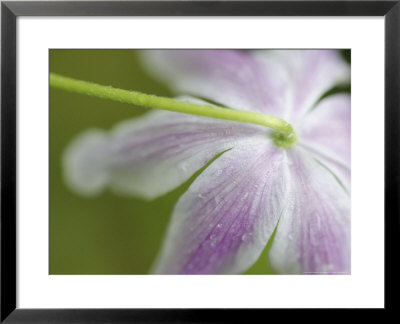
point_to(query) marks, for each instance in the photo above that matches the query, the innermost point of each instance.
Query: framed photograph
(189, 161)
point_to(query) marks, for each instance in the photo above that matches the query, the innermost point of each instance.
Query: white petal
(85, 162)
(150, 155)
(234, 78)
(326, 133)
(311, 74)
(224, 220)
(313, 234)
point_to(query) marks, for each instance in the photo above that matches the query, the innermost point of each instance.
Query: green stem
(137, 98)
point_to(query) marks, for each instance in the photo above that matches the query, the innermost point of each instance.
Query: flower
(224, 220)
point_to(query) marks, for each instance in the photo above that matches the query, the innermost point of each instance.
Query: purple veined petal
(224, 220)
(233, 78)
(312, 72)
(313, 234)
(150, 155)
(326, 133)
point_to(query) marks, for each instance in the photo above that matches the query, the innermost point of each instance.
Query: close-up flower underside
(289, 185)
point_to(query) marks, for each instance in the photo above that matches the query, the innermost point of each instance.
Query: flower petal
(326, 132)
(233, 78)
(224, 220)
(150, 155)
(313, 234)
(312, 72)
(85, 162)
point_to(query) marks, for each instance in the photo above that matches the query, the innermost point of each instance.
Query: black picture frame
(9, 13)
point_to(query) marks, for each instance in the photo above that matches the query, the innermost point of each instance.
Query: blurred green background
(107, 234)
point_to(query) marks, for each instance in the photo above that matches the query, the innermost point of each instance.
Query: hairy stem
(141, 99)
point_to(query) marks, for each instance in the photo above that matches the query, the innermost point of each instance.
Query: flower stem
(141, 99)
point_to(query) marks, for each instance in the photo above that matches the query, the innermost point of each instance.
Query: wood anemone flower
(262, 181)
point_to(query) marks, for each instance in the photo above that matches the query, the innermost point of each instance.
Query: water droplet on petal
(246, 237)
(217, 200)
(213, 240)
(183, 166)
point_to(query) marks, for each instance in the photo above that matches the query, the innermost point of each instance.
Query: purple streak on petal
(151, 155)
(313, 235)
(234, 78)
(224, 220)
(326, 133)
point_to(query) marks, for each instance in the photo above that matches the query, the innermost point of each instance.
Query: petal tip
(84, 163)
